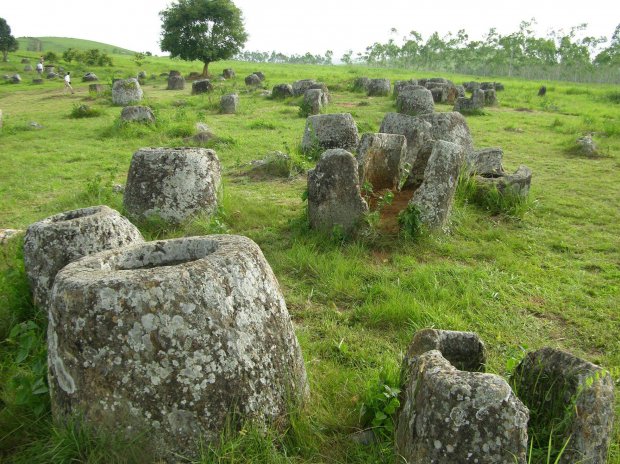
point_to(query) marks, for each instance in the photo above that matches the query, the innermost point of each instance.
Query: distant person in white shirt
(40, 67)
(68, 83)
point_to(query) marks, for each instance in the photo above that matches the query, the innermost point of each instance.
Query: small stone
(90, 77)
(16, 79)
(486, 162)
(587, 146)
(299, 87)
(252, 80)
(8, 234)
(313, 101)
(515, 184)
(490, 98)
(282, 91)
(137, 114)
(229, 103)
(201, 86)
(228, 73)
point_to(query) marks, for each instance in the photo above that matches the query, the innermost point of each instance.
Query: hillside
(60, 44)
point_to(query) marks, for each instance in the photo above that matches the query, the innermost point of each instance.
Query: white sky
(290, 26)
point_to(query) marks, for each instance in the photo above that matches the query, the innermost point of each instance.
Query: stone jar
(50, 244)
(173, 338)
(172, 184)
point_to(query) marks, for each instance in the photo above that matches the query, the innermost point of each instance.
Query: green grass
(549, 276)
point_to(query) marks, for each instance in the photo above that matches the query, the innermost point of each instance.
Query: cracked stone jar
(173, 338)
(54, 242)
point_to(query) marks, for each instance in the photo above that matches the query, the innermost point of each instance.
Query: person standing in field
(68, 83)
(40, 66)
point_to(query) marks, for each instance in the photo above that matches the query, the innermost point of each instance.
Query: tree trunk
(205, 69)
(5, 53)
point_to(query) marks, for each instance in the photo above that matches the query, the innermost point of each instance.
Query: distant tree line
(277, 57)
(92, 57)
(562, 55)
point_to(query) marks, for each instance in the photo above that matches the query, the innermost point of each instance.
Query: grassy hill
(60, 44)
(548, 278)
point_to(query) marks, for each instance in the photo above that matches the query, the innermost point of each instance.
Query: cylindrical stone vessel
(172, 338)
(50, 244)
(172, 184)
(176, 82)
(126, 91)
(229, 103)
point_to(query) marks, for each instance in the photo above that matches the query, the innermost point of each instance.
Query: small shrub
(613, 97)
(84, 111)
(380, 403)
(261, 124)
(305, 109)
(410, 221)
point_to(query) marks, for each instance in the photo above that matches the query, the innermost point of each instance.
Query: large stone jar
(172, 184)
(173, 338)
(54, 242)
(126, 91)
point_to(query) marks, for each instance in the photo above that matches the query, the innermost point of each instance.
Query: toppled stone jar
(172, 184)
(54, 242)
(173, 338)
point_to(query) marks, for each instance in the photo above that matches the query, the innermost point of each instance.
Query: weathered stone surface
(98, 88)
(587, 146)
(89, 77)
(434, 197)
(16, 78)
(451, 127)
(172, 183)
(137, 114)
(126, 91)
(464, 350)
(171, 338)
(450, 416)
(361, 83)
(325, 96)
(28, 68)
(48, 68)
(175, 82)
(193, 75)
(439, 93)
(229, 73)
(313, 100)
(471, 86)
(460, 90)
(419, 144)
(379, 157)
(201, 86)
(52, 75)
(378, 87)
(414, 100)
(282, 91)
(260, 75)
(229, 103)
(330, 131)
(469, 105)
(560, 388)
(300, 86)
(487, 161)
(141, 75)
(542, 91)
(399, 85)
(174, 73)
(252, 80)
(515, 184)
(50, 244)
(334, 198)
(37, 80)
(8, 234)
(490, 98)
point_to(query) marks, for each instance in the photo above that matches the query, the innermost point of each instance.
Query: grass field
(59, 44)
(549, 278)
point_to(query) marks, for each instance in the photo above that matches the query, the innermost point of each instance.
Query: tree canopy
(205, 30)
(8, 43)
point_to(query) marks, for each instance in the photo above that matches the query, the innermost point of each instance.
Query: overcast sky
(290, 26)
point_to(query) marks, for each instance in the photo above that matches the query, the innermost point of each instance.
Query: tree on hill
(205, 30)
(7, 41)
